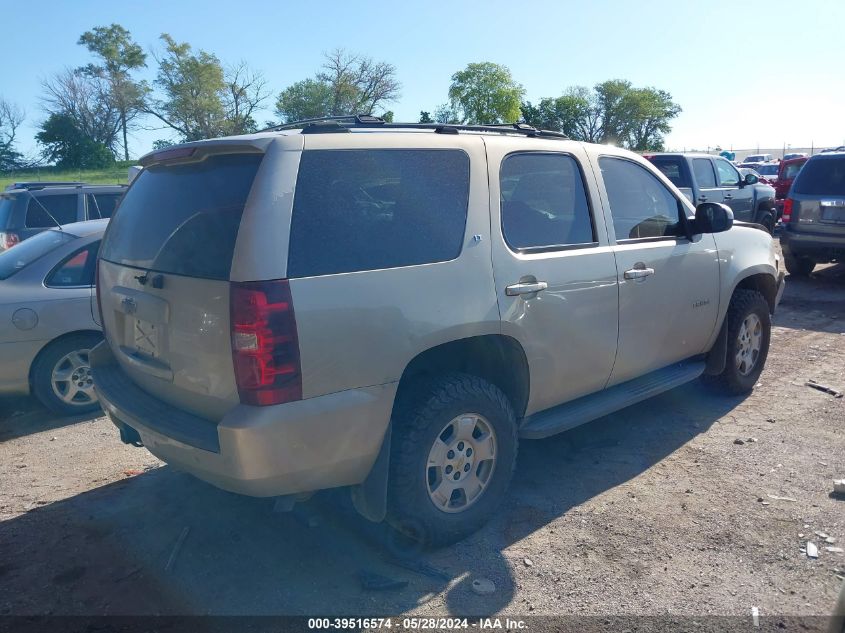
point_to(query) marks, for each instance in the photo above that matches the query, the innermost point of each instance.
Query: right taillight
(265, 347)
(97, 290)
(786, 216)
(8, 240)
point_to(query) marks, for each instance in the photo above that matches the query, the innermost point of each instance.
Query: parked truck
(707, 178)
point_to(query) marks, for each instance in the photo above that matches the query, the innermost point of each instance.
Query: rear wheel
(767, 220)
(800, 265)
(453, 456)
(61, 375)
(749, 333)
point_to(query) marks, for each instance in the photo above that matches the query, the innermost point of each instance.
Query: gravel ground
(667, 507)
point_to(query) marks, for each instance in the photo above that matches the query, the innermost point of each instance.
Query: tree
(613, 112)
(485, 93)
(11, 118)
(444, 113)
(425, 117)
(652, 110)
(119, 55)
(85, 99)
(202, 100)
(68, 146)
(246, 90)
(347, 84)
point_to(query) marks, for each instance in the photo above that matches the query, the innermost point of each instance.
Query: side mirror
(751, 179)
(712, 217)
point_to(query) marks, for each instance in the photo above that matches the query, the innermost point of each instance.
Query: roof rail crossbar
(349, 121)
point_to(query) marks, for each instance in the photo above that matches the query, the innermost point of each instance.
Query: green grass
(117, 174)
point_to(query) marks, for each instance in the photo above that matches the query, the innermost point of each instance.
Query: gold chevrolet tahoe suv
(391, 307)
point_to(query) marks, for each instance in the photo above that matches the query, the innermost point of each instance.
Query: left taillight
(265, 345)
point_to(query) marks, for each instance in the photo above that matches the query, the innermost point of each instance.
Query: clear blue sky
(745, 73)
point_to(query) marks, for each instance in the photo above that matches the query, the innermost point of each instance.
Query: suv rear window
(672, 169)
(22, 255)
(823, 176)
(7, 204)
(371, 209)
(183, 219)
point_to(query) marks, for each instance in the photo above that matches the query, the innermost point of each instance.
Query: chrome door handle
(638, 273)
(526, 288)
(702, 198)
(728, 196)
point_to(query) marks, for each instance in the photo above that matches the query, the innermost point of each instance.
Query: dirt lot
(657, 509)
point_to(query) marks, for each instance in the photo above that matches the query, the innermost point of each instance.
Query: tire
(767, 219)
(443, 410)
(747, 307)
(66, 357)
(800, 266)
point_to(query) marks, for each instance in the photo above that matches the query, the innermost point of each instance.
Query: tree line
(91, 111)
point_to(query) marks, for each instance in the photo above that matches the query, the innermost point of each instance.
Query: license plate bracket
(145, 337)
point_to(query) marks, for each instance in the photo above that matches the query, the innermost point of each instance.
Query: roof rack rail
(346, 122)
(42, 184)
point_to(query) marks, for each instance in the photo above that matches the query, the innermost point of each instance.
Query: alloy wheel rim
(71, 379)
(749, 343)
(461, 463)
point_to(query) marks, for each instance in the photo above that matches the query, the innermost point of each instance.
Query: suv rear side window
(62, 208)
(641, 205)
(183, 219)
(823, 176)
(371, 209)
(101, 205)
(544, 203)
(672, 169)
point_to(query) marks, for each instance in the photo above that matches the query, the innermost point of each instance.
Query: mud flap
(717, 356)
(370, 496)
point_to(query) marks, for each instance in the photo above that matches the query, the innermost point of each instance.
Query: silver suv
(390, 307)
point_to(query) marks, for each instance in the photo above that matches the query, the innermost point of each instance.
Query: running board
(571, 414)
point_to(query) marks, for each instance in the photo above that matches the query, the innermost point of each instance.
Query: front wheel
(749, 334)
(453, 456)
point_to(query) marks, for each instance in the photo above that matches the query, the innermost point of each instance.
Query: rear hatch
(164, 273)
(818, 195)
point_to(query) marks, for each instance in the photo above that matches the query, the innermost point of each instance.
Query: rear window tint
(101, 205)
(823, 176)
(7, 205)
(371, 209)
(22, 255)
(183, 219)
(672, 169)
(44, 211)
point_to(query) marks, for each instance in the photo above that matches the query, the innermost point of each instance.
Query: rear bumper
(323, 442)
(809, 243)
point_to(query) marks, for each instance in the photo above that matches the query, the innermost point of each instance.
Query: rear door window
(543, 201)
(44, 211)
(824, 176)
(183, 219)
(672, 169)
(371, 209)
(101, 205)
(704, 175)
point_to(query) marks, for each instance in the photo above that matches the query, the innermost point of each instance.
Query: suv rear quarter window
(61, 207)
(360, 210)
(183, 219)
